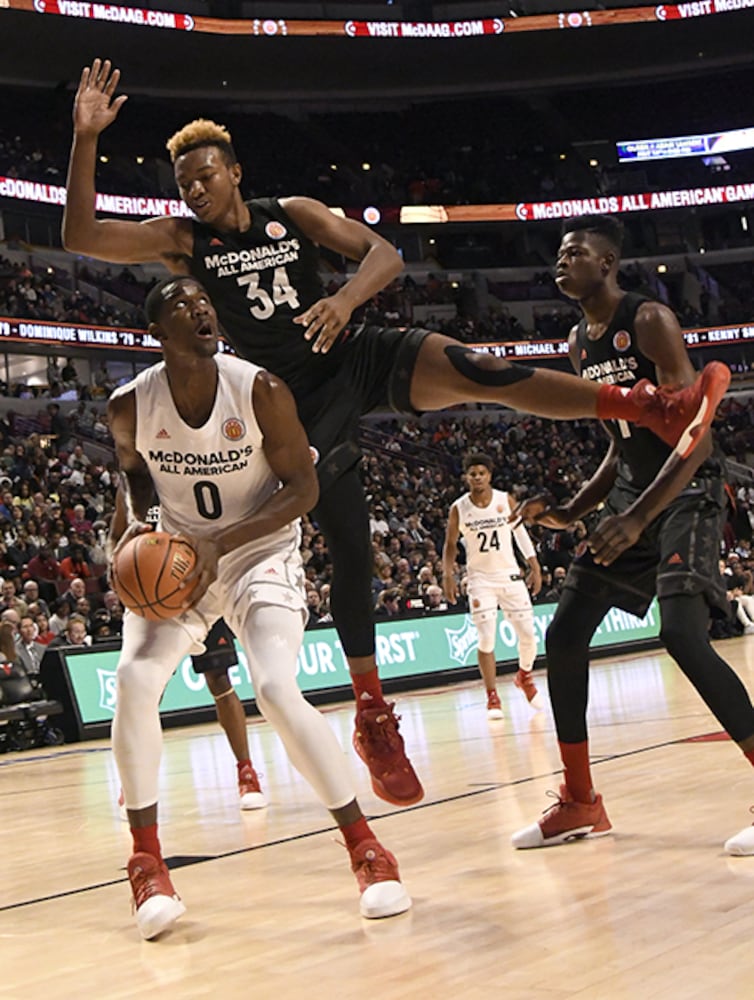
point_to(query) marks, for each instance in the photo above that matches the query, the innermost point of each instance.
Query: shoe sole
(495, 714)
(580, 833)
(718, 377)
(379, 789)
(160, 917)
(387, 900)
(252, 800)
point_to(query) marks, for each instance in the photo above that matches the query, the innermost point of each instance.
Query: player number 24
(265, 304)
(487, 542)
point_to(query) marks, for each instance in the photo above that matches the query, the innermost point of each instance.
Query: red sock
(368, 689)
(146, 839)
(578, 778)
(357, 832)
(615, 403)
(242, 765)
(749, 755)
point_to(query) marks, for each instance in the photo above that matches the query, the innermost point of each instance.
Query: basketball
(147, 574)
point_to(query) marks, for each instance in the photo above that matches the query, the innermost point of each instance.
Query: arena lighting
(143, 206)
(471, 28)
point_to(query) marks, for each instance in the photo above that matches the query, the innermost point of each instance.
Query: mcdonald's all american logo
(622, 340)
(234, 429)
(275, 230)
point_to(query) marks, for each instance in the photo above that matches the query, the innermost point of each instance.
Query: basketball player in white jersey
(495, 579)
(219, 441)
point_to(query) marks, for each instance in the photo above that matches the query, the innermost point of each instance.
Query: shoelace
(145, 885)
(560, 801)
(374, 866)
(382, 730)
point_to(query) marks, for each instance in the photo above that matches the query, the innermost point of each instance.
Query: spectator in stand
(45, 570)
(313, 603)
(75, 634)
(112, 604)
(62, 610)
(434, 599)
(75, 564)
(44, 634)
(388, 604)
(9, 599)
(30, 651)
(22, 551)
(78, 520)
(31, 596)
(60, 428)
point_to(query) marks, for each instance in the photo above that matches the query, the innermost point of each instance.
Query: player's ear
(156, 331)
(236, 172)
(608, 260)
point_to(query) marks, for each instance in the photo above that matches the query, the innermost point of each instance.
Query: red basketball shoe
(681, 416)
(376, 871)
(157, 904)
(379, 744)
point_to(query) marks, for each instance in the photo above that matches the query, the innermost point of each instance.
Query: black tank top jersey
(616, 359)
(258, 281)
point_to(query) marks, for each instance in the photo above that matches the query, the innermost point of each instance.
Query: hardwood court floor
(657, 911)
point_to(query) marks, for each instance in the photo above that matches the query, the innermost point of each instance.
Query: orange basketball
(148, 571)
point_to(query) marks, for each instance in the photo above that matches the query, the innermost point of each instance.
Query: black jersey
(258, 281)
(616, 359)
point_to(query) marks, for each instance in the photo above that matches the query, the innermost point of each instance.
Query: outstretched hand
(94, 107)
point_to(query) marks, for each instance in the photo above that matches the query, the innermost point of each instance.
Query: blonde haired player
(495, 579)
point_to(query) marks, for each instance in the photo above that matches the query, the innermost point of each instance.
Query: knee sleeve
(485, 622)
(522, 623)
(150, 654)
(343, 518)
(271, 638)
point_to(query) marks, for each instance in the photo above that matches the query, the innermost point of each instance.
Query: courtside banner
(406, 648)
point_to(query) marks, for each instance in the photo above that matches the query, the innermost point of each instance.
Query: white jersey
(214, 476)
(488, 539)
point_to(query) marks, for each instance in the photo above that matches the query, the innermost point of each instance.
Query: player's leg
(215, 662)
(271, 637)
(517, 607)
(689, 588)
(484, 614)
(342, 516)
(446, 373)
(149, 655)
(578, 812)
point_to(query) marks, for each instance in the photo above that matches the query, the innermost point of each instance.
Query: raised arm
(165, 240)
(379, 264)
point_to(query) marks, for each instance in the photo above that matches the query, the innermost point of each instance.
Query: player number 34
(283, 293)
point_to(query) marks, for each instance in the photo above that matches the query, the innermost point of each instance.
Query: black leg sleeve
(567, 644)
(685, 621)
(343, 518)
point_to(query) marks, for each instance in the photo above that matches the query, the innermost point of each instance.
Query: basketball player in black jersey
(258, 260)
(659, 533)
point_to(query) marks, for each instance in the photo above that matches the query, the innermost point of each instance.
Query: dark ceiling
(47, 50)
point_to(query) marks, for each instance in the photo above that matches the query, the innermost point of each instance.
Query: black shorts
(375, 372)
(677, 554)
(221, 650)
